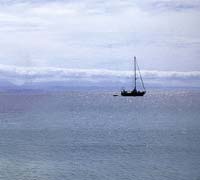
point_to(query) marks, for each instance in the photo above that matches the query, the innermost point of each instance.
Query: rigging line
(135, 74)
(140, 76)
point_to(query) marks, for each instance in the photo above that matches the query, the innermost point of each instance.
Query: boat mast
(135, 71)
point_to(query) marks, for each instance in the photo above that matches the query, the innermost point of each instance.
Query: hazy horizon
(48, 77)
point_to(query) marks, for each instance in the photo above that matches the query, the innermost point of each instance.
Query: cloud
(175, 5)
(29, 76)
(94, 34)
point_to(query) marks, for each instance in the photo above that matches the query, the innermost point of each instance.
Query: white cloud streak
(26, 75)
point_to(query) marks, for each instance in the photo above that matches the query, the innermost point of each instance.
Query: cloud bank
(32, 76)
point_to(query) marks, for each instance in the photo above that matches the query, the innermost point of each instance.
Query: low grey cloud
(21, 76)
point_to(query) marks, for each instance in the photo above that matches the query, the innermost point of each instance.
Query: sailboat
(135, 92)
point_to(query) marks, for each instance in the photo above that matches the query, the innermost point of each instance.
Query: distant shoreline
(89, 89)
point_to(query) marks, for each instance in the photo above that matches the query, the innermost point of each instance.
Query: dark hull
(133, 93)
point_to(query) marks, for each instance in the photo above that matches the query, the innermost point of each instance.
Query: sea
(92, 135)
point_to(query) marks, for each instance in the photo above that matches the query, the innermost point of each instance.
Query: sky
(37, 36)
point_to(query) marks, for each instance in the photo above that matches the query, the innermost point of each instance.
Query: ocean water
(95, 136)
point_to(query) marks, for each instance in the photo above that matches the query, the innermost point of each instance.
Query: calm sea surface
(95, 136)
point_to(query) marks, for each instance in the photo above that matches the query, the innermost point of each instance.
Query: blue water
(95, 136)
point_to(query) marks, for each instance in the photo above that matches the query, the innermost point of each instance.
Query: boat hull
(133, 93)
